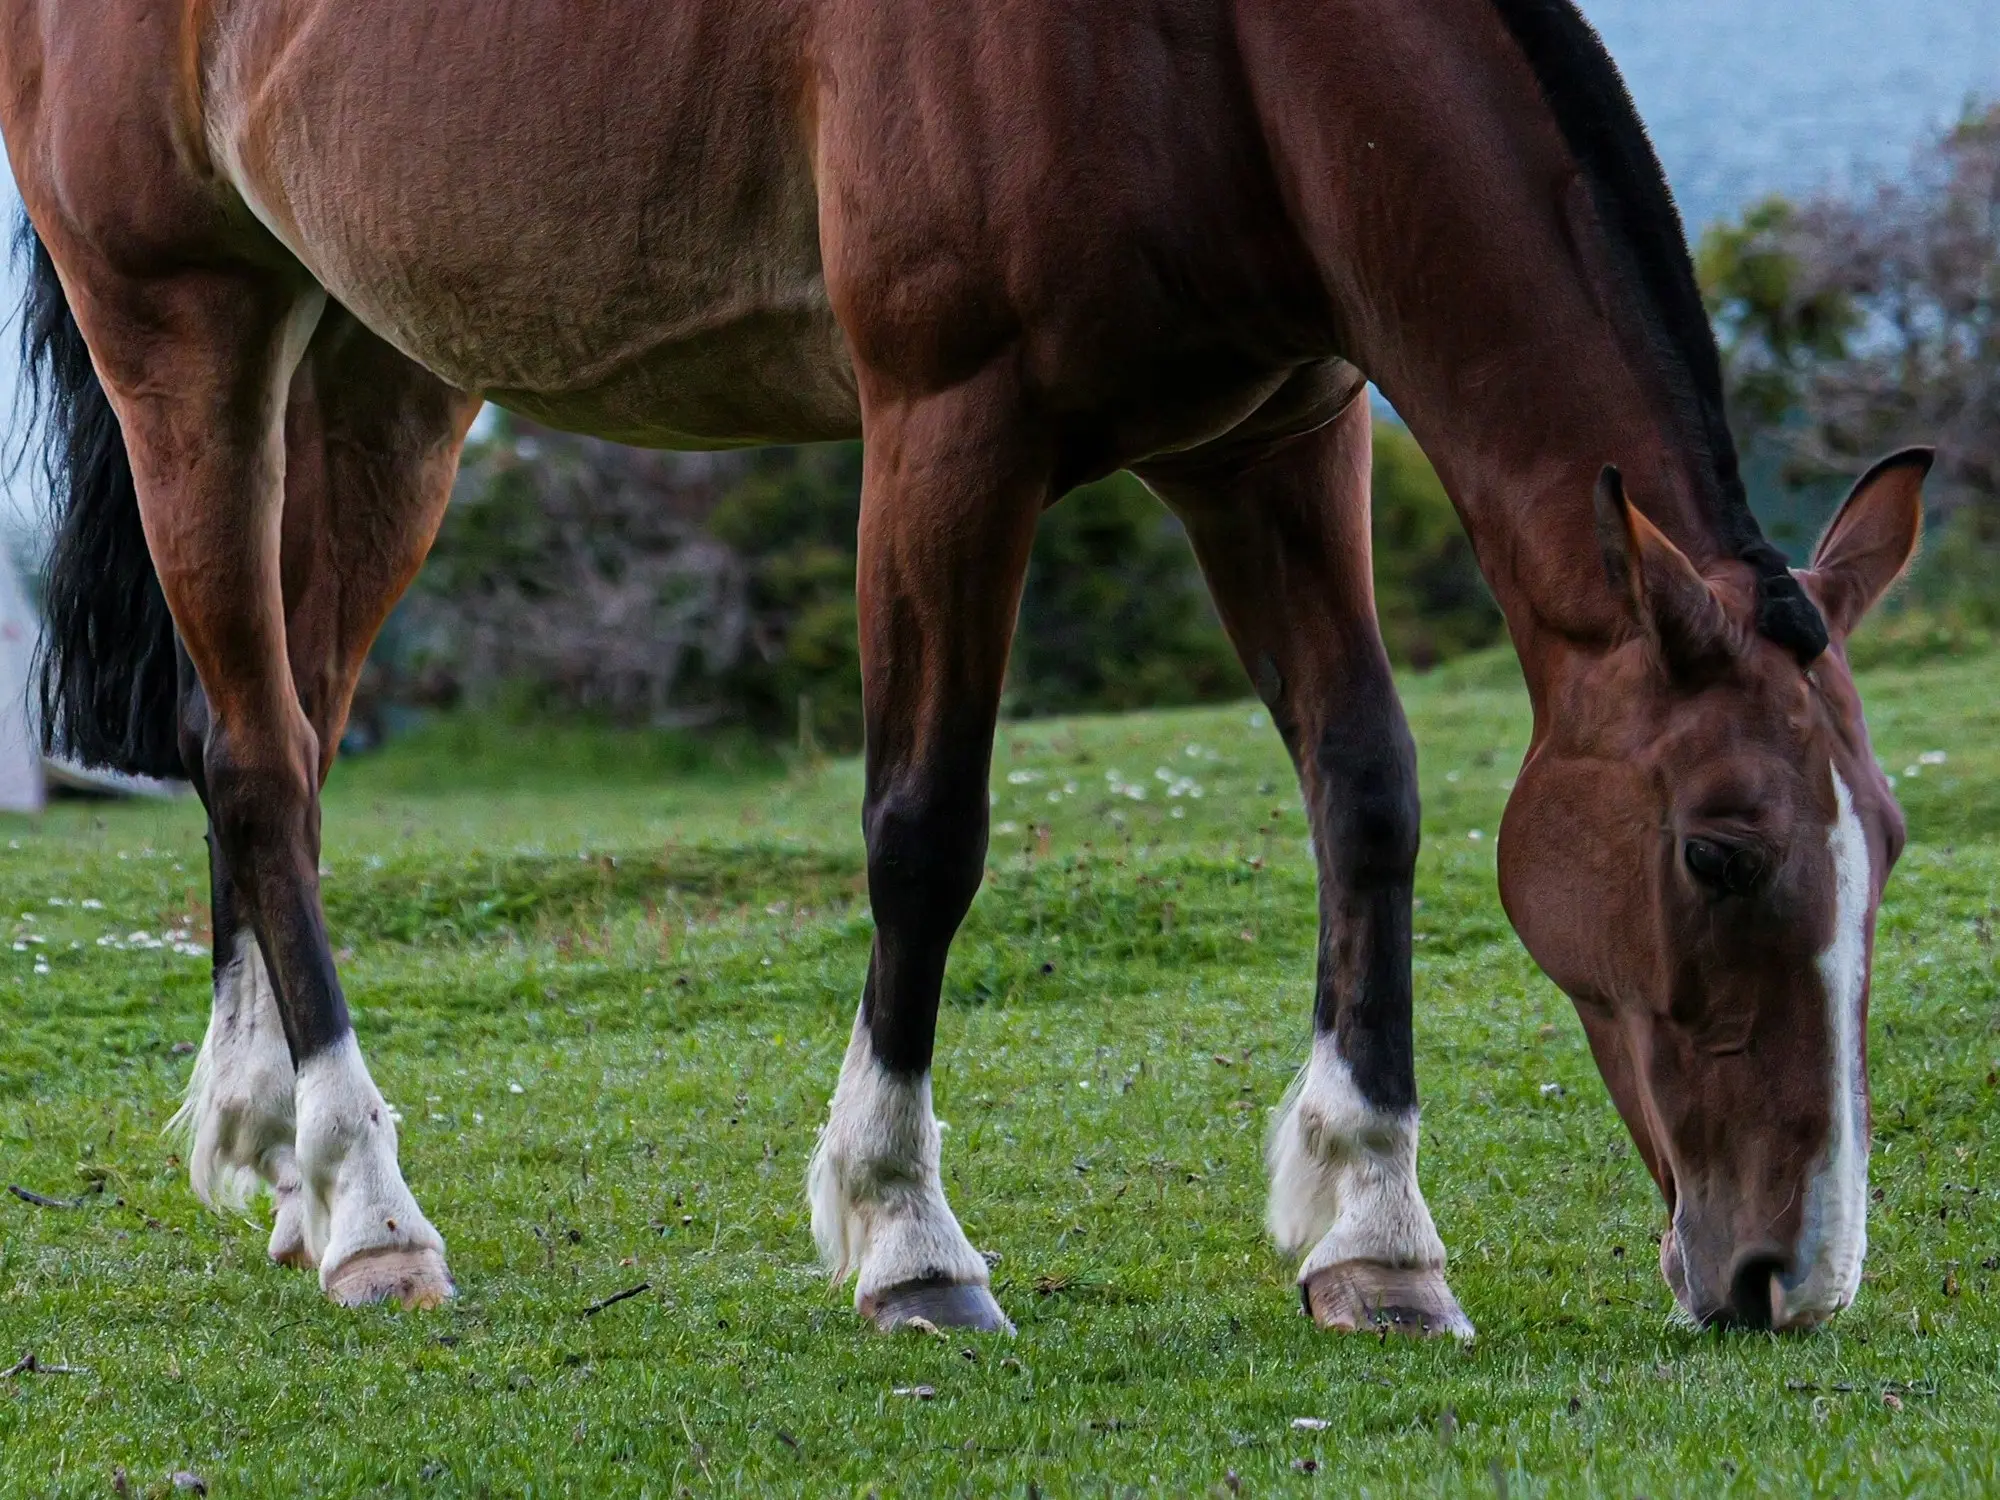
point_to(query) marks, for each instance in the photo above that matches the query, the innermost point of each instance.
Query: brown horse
(284, 248)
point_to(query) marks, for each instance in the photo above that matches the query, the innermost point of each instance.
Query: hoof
(1358, 1296)
(415, 1278)
(288, 1237)
(942, 1304)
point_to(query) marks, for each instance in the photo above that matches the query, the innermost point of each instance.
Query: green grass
(663, 958)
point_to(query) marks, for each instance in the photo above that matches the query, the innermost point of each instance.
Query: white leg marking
(1344, 1174)
(1834, 1240)
(236, 1120)
(354, 1196)
(878, 1205)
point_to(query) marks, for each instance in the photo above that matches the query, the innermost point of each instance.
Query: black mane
(1595, 114)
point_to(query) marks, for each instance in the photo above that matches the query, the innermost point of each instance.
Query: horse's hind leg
(1282, 536)
(949, 503)
(237, 1119)
(199, 367)
(371, 442)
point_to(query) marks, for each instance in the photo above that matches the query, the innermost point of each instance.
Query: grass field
(608, 987)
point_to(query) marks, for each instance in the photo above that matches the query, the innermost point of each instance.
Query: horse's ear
(1670, 600)
(1871, 540)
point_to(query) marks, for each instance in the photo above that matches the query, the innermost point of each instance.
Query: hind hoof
(288, 1237)
(1359, 1296)
(942, 1304)
(415, 1278)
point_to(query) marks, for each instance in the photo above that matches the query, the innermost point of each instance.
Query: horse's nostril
(1756, 1292)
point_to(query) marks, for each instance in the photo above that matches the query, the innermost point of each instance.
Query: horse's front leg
(949, 502)
(1282, 536)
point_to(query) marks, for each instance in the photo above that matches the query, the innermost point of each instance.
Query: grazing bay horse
(282, 249)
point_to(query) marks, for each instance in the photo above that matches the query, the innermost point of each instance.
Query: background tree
(1853, 326)
(692, 590)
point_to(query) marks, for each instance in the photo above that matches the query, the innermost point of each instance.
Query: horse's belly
(698, 343)
(775, 378)
(627, 354)
(760, 375)
(736, 366)
(580, 223)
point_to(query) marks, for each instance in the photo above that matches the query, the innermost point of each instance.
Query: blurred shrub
(792, 519)
(1909, 636)
(697, 591)
(572, 576)
(1429, 596)
(1853, 326)
(1114, 613)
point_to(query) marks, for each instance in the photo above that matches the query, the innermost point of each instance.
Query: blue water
(1743, 97)
(1749, 97)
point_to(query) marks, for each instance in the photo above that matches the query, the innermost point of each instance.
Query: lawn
(607, 985)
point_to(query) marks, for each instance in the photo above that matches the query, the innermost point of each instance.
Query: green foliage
(570, 578)
(611, 1014)
(1909, 637)
(1955, 576)
(748, 565)
(510, 750)
(505, 535)
(793, 519)
(1851, 326)
(1773, 325)
(1429, 596)
(1114, 614)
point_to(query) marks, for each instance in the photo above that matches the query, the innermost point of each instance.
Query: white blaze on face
(1834, 1238)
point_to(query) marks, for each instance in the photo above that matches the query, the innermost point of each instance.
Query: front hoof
(415, 1278)
(942, 1304)
(1360, 1296)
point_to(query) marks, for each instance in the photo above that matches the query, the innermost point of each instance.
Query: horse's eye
(1727, 869)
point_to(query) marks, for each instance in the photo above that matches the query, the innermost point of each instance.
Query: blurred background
(1838, 166)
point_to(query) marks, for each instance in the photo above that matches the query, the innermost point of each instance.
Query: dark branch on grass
(41, 1201)
(615, 1298)
(29, 1365)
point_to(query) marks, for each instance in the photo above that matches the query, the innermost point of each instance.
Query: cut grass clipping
(611, 1015)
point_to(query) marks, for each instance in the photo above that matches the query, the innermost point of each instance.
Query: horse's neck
(1478, 291)
(1519, 437)
(1521, 389)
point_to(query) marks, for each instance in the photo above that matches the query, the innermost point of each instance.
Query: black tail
(107, 672)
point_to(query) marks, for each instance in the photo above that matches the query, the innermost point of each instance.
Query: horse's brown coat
(1017, 244)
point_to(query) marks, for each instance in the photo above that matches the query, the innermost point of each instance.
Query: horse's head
(1694, 852)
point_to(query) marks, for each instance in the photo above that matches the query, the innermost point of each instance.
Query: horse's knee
(926, 854)
(1366, 769)
(261, 786)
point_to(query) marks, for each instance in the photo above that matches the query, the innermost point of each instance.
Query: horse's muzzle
(1755, 1295)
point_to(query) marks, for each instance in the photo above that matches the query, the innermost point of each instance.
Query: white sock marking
(355, 1198)
(236, 1119)
(1344, 1174)
(878, 1205)
(1834, 1239)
